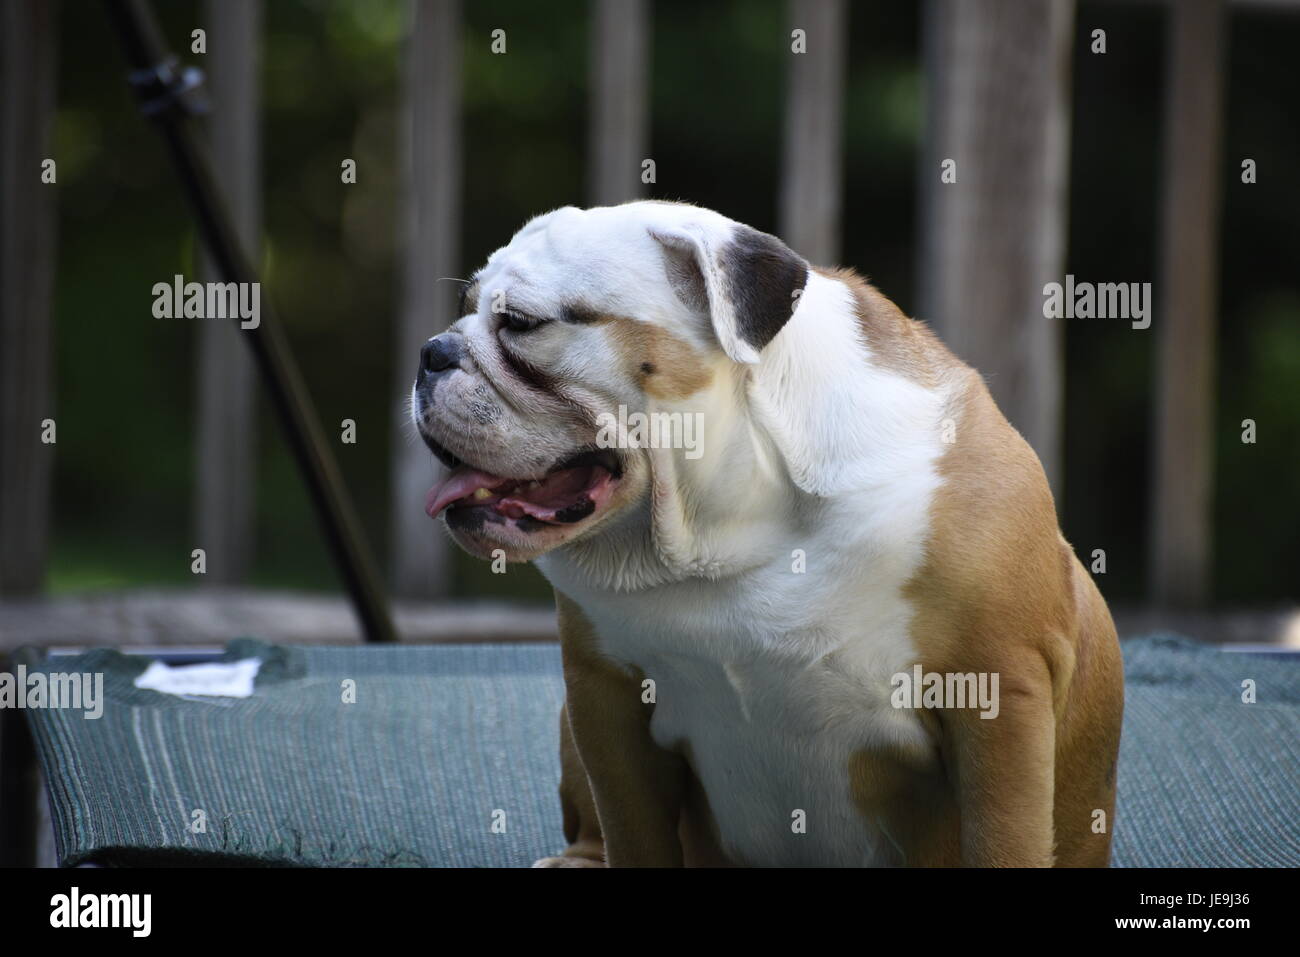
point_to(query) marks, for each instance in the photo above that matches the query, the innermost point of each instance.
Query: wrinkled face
(641, 307)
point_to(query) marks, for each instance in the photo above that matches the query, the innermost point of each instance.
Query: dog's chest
(771, 711)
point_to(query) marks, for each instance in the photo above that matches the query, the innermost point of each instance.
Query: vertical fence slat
(812, 165)
(27, 247)
(619, 120)
(226, 438)
(998, 104)
(1180, 560)
(431, 153)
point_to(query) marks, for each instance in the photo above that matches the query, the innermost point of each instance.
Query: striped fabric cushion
(1206, 780)
(447, 757)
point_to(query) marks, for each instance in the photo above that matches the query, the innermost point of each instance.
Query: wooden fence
(998, 101)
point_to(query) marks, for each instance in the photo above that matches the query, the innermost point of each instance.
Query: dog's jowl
(815, 607)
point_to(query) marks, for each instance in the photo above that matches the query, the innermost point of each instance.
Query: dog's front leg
(1005, 771)
(581, 825)
(637, 786)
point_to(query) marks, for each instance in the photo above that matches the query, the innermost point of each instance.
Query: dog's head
(585, 319)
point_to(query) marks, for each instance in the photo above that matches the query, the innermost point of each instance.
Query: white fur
(769, 680)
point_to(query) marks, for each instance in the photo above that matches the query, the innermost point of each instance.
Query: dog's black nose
(441, 353)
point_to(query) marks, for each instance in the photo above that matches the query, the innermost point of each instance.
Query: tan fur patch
(918, 813)
(663, 365)
(1001, 591)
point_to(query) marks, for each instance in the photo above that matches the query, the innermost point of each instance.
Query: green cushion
(1206, 780)
(448, 757)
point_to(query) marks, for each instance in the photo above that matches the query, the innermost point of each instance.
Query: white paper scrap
(218, 679)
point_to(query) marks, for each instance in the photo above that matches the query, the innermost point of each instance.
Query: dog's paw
(568, 862)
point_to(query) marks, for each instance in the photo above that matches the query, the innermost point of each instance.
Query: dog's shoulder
(897, 342)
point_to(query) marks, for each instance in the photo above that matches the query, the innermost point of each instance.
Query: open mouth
(568, 493)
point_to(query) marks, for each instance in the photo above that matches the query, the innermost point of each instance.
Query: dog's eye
(517, 323)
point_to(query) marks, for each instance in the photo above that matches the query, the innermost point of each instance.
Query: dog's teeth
(482, 493)
(534, 484)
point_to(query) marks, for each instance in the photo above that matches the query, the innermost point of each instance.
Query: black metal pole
(167, 95)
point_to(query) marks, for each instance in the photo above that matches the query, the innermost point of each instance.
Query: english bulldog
(841, 629)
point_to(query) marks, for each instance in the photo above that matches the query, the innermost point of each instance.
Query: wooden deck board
(186, 617)
(214, 616)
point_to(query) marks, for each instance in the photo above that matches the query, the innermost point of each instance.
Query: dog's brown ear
(748, 282)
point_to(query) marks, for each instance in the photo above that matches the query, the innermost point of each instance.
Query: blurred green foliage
(331, 80)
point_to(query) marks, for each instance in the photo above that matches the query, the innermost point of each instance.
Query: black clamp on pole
(168, 86)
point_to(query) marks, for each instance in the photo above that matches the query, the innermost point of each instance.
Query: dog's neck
(815, 425)
(696, 518)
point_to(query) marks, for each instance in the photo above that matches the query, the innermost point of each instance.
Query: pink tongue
(459, 483)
